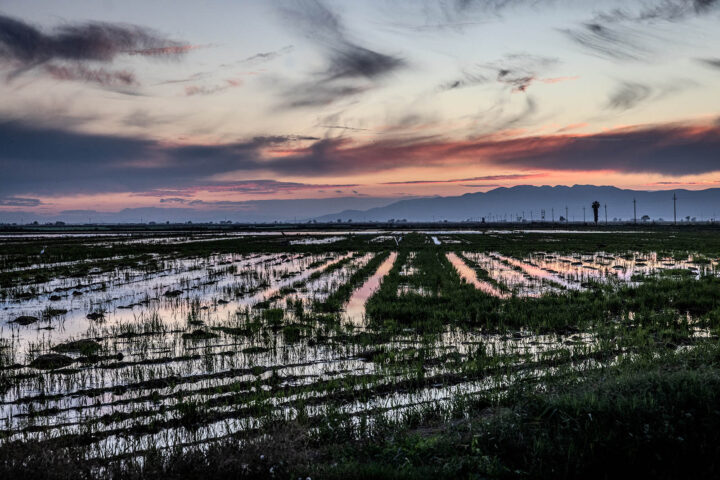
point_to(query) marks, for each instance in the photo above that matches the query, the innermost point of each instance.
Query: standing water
(355, 308)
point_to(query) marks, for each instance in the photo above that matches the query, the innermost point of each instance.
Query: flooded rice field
(190, 340)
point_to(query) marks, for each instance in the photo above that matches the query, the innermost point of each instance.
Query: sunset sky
(208, 105)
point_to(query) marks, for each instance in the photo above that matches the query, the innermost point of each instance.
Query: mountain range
(546, 203)
(532, 203)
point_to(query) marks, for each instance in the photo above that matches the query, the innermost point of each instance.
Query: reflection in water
(516, 280)
(540, 273)
(355, 308)
(468, 274)
(160, 372)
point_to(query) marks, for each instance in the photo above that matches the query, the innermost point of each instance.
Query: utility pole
(674, 209)
(583, 214)
(635, 211)
(606, 214)
(553, 214)
(567, 217)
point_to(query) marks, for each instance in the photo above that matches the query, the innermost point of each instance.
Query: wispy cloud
(248, 187)
(514, 176)
(628, 95)
(263, 57)
(351, 68)
(19, 202)
(343, 127)
(681, 183)
(192, 90)
(553, 80)
(520, 70)
(459, 14)
(618, 42)
(468, 78)
(629, 33)
(267, 187)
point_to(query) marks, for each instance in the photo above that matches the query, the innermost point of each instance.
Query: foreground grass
(650, 416)
(579, 411)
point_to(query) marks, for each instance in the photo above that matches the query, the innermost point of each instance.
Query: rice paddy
(131, 354)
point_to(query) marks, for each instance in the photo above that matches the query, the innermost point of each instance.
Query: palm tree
(596, 207)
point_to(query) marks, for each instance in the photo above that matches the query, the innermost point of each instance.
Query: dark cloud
(46, 161)
(667, 150)
(100, 76)
(171, 51)
(353, 61)
(628, 95)
(712, 62)
(97, 41)
(173, 200)
(281, 139)
(49, 160)
(352, 68)
(24, 47)
(19, 202)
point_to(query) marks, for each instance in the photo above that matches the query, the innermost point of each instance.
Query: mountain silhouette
(513, 202)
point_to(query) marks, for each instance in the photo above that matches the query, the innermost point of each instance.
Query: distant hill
(530, 201)
(249, 211)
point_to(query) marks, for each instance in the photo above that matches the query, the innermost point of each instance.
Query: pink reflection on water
(469, 275)
(355, 308)
(540, 273)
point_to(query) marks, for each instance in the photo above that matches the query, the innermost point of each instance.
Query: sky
(223, 106)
